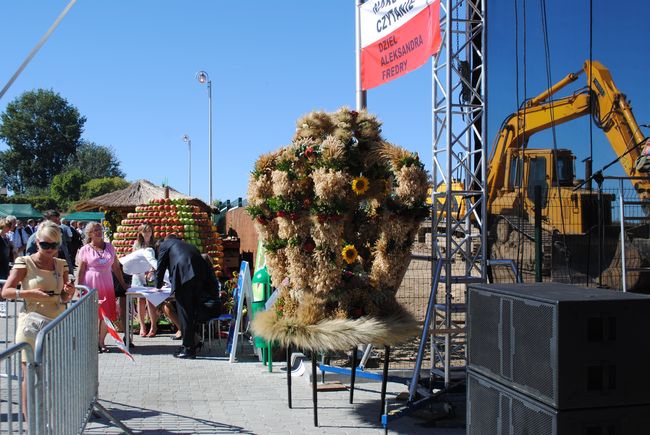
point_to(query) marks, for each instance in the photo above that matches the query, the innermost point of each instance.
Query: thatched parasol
(139, 192)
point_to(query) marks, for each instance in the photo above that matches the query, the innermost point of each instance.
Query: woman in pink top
(97, 263)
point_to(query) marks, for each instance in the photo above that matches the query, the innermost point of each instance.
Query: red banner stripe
(402, 51)
(113, 332)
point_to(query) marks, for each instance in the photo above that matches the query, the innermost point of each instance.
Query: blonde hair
(88, 229)
(50, 230)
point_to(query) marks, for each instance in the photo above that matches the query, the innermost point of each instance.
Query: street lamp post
(203, 77)
(188, 141)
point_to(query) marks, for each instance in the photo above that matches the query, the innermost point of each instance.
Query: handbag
(33, 323)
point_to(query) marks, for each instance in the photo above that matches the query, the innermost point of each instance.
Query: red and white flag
(113, 332)
(397, 37)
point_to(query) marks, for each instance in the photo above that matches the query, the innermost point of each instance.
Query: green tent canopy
(21, 211)
(87, 216)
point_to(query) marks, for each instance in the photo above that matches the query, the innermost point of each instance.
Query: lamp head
(202, 77)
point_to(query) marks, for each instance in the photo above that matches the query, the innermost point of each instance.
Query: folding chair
(222, 318)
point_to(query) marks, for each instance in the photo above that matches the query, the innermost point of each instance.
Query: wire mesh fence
(578, 247)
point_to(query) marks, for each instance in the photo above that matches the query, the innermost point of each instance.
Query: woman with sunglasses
(97, 264)
(44, 285)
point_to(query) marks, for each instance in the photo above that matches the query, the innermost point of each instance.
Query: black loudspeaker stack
(557, 359)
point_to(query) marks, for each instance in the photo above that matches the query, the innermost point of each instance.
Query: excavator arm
(612, 113)
(535, 115)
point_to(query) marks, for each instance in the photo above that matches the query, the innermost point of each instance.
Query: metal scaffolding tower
(459, 249)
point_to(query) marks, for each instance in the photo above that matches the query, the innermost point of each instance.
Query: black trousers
(187, 302)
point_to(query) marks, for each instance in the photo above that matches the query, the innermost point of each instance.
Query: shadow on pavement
(440, 415)
(124, 413)
(215, 350)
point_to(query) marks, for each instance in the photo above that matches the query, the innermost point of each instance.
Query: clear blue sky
(129, 67)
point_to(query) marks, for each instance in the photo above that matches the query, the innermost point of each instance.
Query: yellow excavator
(569, 214)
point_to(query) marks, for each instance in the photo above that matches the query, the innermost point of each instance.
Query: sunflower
(360, 185)
(349, 254)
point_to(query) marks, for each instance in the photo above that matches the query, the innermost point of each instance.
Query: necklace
(100, 251)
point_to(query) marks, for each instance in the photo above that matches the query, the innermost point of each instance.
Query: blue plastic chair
(222, 318)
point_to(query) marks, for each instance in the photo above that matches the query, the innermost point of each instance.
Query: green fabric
(261, 284)
(21, 211)
(96, 216)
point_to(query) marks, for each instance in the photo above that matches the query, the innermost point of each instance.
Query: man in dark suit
(193, 283)
(30, 227)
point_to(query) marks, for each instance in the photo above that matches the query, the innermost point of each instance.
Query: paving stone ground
(158, 394)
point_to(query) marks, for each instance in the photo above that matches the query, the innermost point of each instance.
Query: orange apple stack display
(171, 216)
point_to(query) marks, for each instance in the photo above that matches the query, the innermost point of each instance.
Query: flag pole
(38, 46)
(361, 102)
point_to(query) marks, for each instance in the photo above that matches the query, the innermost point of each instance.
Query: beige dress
(46, 280)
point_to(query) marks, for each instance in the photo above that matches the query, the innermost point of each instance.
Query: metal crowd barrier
(8, 319)
(12, 408)
(65, 356)
(62, 374)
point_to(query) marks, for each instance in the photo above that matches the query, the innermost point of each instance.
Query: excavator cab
(567, 214)
(554, 171)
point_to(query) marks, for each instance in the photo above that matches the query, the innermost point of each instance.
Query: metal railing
(8, 320)
(12, 398)
(61, 374)
(612, 250)
(65, 357)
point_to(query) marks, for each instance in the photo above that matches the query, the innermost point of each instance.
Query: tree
(42, 131)
(96, 161)
(65, 187)
(100, 186)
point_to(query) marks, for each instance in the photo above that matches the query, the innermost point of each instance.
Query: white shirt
(14, 237)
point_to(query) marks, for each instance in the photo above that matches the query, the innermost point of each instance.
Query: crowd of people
(18, 238)
(46, 258)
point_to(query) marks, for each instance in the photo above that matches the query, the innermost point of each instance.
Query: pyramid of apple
(171, 216)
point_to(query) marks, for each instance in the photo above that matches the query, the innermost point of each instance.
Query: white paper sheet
(152, 294)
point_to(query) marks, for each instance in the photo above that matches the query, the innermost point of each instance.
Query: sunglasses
(49, 245)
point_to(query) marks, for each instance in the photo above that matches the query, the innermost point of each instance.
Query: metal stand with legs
(289, 374)
(314, 382)
(384, 381)
(314, 390)
(353, 373)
